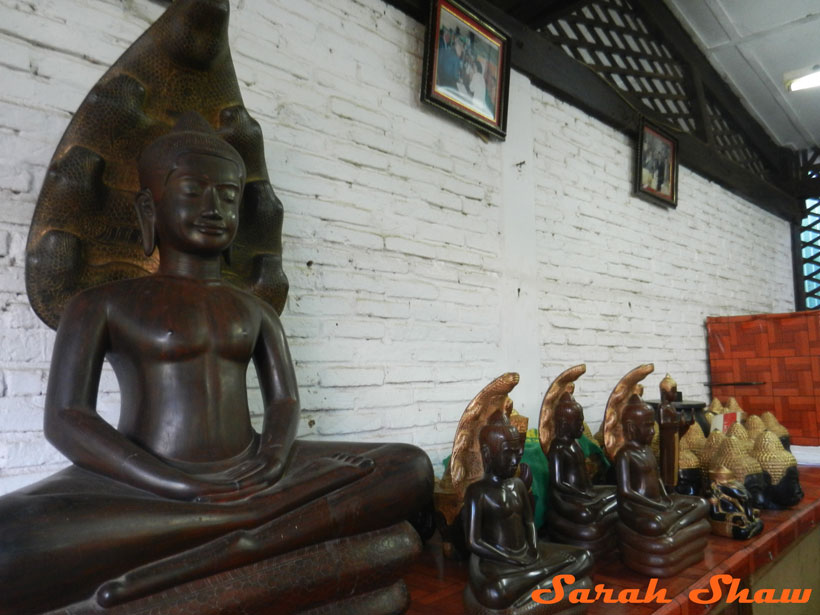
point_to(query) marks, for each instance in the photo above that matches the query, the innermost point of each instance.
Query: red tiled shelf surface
(779, 351)
(436, 583)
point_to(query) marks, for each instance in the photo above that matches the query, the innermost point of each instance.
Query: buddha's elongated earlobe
(147, 215)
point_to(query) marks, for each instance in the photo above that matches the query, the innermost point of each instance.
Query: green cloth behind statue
(536, 460)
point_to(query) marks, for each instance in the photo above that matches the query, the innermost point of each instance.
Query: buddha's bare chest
(183, 323)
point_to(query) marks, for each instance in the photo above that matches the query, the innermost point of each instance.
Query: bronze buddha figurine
(184, 498)
(660, 534)
(579, 513)
(507, 562)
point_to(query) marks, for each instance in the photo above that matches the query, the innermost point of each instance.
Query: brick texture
(423, 260)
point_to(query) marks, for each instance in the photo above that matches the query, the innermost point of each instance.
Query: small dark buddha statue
(579, 513)
(660, 534)
(731, 512)
(184, 487)
(507, 562)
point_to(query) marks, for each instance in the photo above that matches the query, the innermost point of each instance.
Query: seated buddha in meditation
(579, 513)
(660, 534)
(184, 487)
(507, 563)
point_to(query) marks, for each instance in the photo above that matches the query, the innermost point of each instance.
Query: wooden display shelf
(436, 583)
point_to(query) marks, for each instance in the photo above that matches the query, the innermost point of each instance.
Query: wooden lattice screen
(610, 37)
(731, 143)
(616, 40)
(810, 232)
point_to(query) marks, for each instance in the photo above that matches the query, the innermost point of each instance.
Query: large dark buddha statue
(507, 562)
(184, 488)
(184, 507)
(660, 534)
(579, 513)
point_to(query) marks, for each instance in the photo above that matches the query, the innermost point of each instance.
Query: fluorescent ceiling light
(803, 79)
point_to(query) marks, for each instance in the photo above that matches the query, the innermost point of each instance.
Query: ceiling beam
(538, 13)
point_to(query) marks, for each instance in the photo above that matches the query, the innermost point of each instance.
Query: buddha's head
(569, 418)
(638, 421)
(191, 186)
(501, 446)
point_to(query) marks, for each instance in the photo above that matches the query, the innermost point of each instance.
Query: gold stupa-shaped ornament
(773, 425)
(688, 460)
(693, 440)
(773, 458)
(739, 431)
(745, 468)
(711, 447)
(732, 455)
(784, 486)
(715, 407)
(754, 426)
(733, 406)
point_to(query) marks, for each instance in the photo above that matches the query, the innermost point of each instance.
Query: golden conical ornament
(733, 406)
(772, 424)
(688, 460)
(693, 440)
(739, 431)
(773, 458)
(713, 442)
(732, 455)
(754, 426)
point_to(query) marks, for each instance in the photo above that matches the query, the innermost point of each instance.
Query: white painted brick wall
(423, 261)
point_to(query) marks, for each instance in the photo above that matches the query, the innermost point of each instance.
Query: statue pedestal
(359, 575)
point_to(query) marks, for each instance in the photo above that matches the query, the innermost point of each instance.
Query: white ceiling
(752, 43)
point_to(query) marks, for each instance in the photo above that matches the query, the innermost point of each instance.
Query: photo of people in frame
(657, 165)
(467, 64)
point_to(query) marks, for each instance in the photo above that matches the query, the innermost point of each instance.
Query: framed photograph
(656, 166)
(467, 66)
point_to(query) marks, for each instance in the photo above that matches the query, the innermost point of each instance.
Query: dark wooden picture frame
(656, 165)
(467, 66)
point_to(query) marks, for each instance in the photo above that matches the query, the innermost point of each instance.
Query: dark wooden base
(359, 575)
